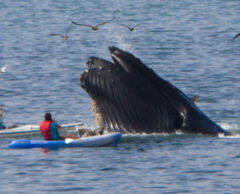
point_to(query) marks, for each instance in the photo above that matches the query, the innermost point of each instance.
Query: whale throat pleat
(128, 96)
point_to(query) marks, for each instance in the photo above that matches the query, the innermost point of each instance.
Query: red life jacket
(45, 129)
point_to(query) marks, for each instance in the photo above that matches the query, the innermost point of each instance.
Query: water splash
(117, 38)
(233, 128)
(4, 68)
(230, 127)
(235, 136)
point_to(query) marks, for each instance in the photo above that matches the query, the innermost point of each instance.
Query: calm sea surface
(188, 43)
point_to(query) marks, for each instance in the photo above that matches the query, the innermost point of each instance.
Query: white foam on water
(233, 128)
(151, 134)
(228, 126)
(236, 136)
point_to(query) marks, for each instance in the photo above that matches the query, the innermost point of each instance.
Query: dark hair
(48, 116)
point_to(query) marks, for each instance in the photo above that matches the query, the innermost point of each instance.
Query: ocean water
(188, 43)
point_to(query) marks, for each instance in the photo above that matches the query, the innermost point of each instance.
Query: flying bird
(65, 37)
(235, 37)
(130, 28)
(4, 68)
(94, 27)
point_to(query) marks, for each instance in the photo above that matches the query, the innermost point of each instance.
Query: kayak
(34, 129)
(93, 141)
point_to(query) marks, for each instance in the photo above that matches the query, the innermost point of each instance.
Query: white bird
(4, 68)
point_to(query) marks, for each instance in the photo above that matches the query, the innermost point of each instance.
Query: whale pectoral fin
(127, 102)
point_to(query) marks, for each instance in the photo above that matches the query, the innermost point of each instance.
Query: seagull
(4, 68)
(65, 37)
(94, 27)
(130, 28)
(235, 37)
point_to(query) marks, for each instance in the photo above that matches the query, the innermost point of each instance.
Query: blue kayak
(94, 141)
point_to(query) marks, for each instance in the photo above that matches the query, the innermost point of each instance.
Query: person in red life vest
(49, 129)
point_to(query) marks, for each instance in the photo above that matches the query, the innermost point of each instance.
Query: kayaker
(1, 119)
(49, 129)
(2, 126)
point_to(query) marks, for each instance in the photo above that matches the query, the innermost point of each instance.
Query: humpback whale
(129, 97)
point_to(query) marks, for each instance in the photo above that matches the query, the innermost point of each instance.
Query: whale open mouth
(131, 97)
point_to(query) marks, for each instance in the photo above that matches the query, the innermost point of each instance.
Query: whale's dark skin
(132, 98)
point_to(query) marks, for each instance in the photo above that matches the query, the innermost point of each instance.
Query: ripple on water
(188, 43)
